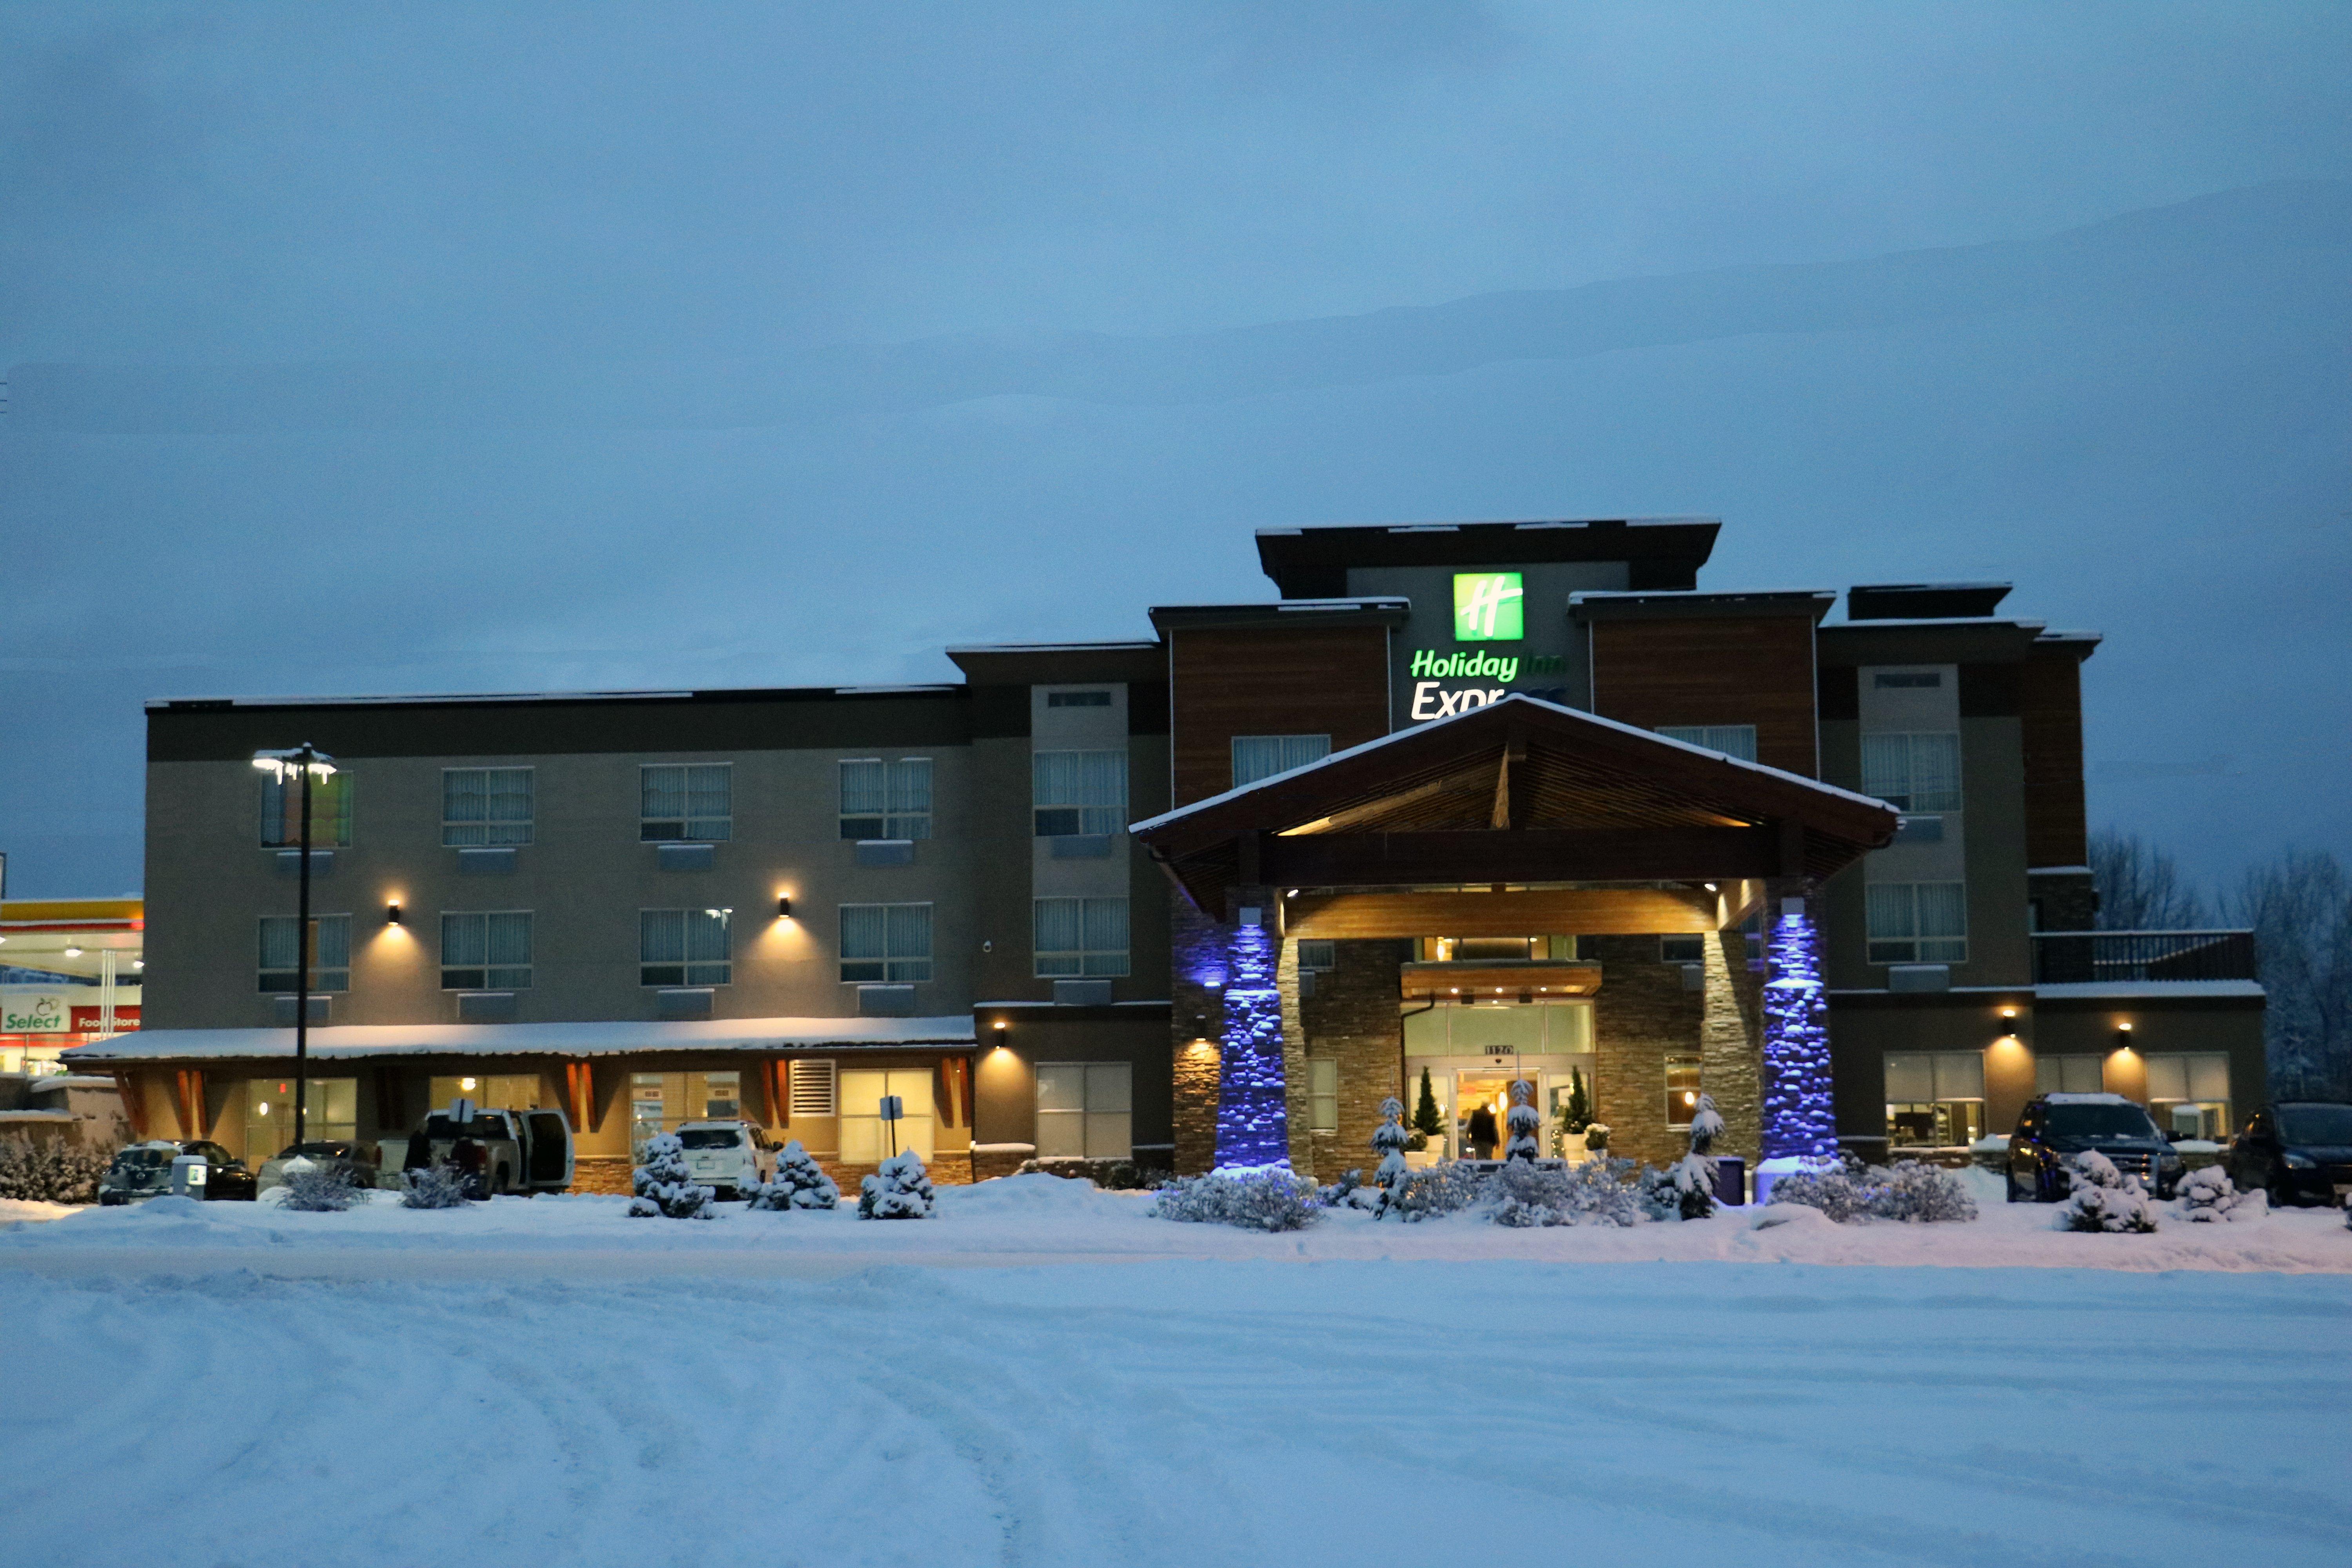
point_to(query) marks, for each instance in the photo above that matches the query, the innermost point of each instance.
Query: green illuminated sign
(1487, 607)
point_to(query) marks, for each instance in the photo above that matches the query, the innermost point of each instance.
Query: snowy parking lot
(1043, 1373)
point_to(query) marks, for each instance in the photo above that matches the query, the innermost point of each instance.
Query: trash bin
(1730, 1180)
(188, 1173)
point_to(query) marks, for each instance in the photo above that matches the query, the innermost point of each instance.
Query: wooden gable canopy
(1517, 792)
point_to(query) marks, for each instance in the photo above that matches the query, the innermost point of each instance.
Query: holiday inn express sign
(1489, 607)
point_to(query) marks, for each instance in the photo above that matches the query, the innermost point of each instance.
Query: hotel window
(1913, 773)
(330, 812)
(1322, 1094)
(1685, 948)
(331, 1109)
(648, 1107)
(682, 947)
(2069, 1075)
(2189, 1095)
(1077, 699)
(1080, 937)
(1731, 740)
(330, 956)
(885, 942)
(689, 802)
(722, 1095)
(492, 1091)
(885, 799)
(1259, 757)
(810, 1087)
(1681, 1091)
(1083, 1110)
(485, 806)
(1917, 922)
(1079, 791)
(1934, 1099)
(487, 951)
(1319, 954)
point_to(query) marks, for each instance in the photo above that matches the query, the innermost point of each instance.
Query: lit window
(1322, 1094)
(330, 954)
(1259, 757)
(485, 952)
(1084, 1111)
(686, 802)
(1934, 1099)
(885, 942)
(482, 806)
(885, 799)
(2069, 1075)
(1731, 740)
(1079, 791)
(2189, 1095)
(1078, 937)
(1912, 771)
(1917, 922)
(330, 811)
(682, 947)
(1682, 1090)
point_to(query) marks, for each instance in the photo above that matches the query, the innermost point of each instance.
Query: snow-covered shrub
(1832, 1191)
(313, 1188)
(434, 1187)
(1111, 1175)
(1255, 1197)
(1915, 1193)
(1438, 1190)
(1389, 1139)
(49, 1173)
(1598, 1192)
(1596, 1136)
(665, 1183)
(801, 1183)
(2208, 1195)
(901, 1189)
(1523, 1121)
(1685, 1189)
(2104, 1198)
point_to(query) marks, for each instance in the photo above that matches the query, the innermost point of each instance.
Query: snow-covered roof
(348, 1041)
(2144, 989)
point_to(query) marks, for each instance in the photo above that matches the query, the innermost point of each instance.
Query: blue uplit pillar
(1799, 1120)
(1252, 1124)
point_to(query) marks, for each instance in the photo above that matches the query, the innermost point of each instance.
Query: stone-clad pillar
(1252, 1115)
(1799, 1120)
(1731, 1058)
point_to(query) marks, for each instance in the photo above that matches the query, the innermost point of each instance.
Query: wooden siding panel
(1595, 911)
(1276, 682)
(2057, 830)
(1752, 670)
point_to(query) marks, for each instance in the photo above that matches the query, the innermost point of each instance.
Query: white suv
(729, 1156)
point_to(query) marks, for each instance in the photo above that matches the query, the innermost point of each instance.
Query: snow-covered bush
(1255, 1197)
(801, 1183)
(901, 1189)
(1350, 1193)
(665, 1183)
(1438, 1190)
(1523, 1121)
(2208, 1195)
(1596, 1136)
(49, 1173)
(2104, 1198)
(1111, 1175)
(1685, 1189)
(313, 1188)
(1389, 1141)
(434, 1187)
(1595, 1193)
(1911, 1192)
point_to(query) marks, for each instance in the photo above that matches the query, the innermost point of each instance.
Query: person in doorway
(1484, 1133)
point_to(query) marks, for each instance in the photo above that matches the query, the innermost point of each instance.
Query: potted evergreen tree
(1428, 1126)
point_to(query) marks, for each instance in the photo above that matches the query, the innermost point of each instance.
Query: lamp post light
(311, 762)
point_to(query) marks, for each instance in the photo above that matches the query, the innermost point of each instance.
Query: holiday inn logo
(1487, 607)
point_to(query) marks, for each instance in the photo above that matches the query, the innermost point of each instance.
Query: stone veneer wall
(1196, 1015)
(1353, 1017)
(1642, 1015)
(1731, 1043)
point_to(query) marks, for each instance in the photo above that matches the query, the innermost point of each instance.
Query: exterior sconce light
(392, 914)
(1710, 887)
(1001, 1024)
(2009, 1011)
(73, 953)
(785, 908)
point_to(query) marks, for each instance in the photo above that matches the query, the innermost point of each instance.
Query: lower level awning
(346, 1042)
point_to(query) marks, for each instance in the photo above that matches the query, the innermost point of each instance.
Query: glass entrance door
(865, 1140)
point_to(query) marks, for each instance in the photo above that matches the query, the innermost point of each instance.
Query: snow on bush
(801, 1183)
(901, 1189)
(1523, 1121)
(1111, 1175)
(1911, 1192)
(2208, 1195)
(1389, 1141)
(434, 1187)
(1443, 1189)
(1255, 1197)
(665, 1183)
(2104, 1198)
(1595, 1193)
(1350, 1193)
(49, 1173)
(312, 1188)
(1685, 1189)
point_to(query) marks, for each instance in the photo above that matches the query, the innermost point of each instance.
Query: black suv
(2298, 1153)
(145, 1171)
(2057, 1127)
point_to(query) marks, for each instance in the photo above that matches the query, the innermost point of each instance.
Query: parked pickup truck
(524, 1150)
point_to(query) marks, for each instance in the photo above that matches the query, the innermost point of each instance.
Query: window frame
(1912, 947)
(691, 971)
(1075, 818)
(1325, 948)
(1911, 800)
(1092, 962)
(1235, 757)
(1322, 1103)
(892, 822)
(1956, 1117)
(490, 826)
(889, 967)
(1088, 1112)
(486, 969)
(1679, 1065)
(324, 983)
(1705, 737)
(687, 823)
(337, 788)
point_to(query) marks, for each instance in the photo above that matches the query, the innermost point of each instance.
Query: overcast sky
(373, 349)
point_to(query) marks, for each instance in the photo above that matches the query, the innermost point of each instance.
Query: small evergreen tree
(2104, 1198)
(1523, 1119)
(313, 1188)
(1693, 1175)
(434, 1187)
(1427, 1120)
(1576, 1111)
(665, 1183)
(1388, 1141)
(901, 1189)
(49, 1173)
(801, 1183)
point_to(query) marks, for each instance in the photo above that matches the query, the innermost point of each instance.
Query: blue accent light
(1799, 1120)
(1253, 1124)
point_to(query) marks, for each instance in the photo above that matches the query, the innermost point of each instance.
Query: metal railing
(2075, 957)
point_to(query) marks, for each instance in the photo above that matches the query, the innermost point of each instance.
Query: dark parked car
(2057, 1127)
(356, 1160)
(2298, 1153)
(145, 1171)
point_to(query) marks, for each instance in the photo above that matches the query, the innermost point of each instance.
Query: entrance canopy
(1518, 817)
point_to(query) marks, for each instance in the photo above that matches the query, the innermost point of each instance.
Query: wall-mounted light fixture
(785, 908)
(1001, 1024)
(2009, 1011)
(392, 914)
(1710, 887)
(73, 953)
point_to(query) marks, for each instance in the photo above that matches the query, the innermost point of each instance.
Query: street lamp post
(312, 763)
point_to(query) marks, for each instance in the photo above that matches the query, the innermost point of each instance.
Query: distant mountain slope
(2182, 251)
